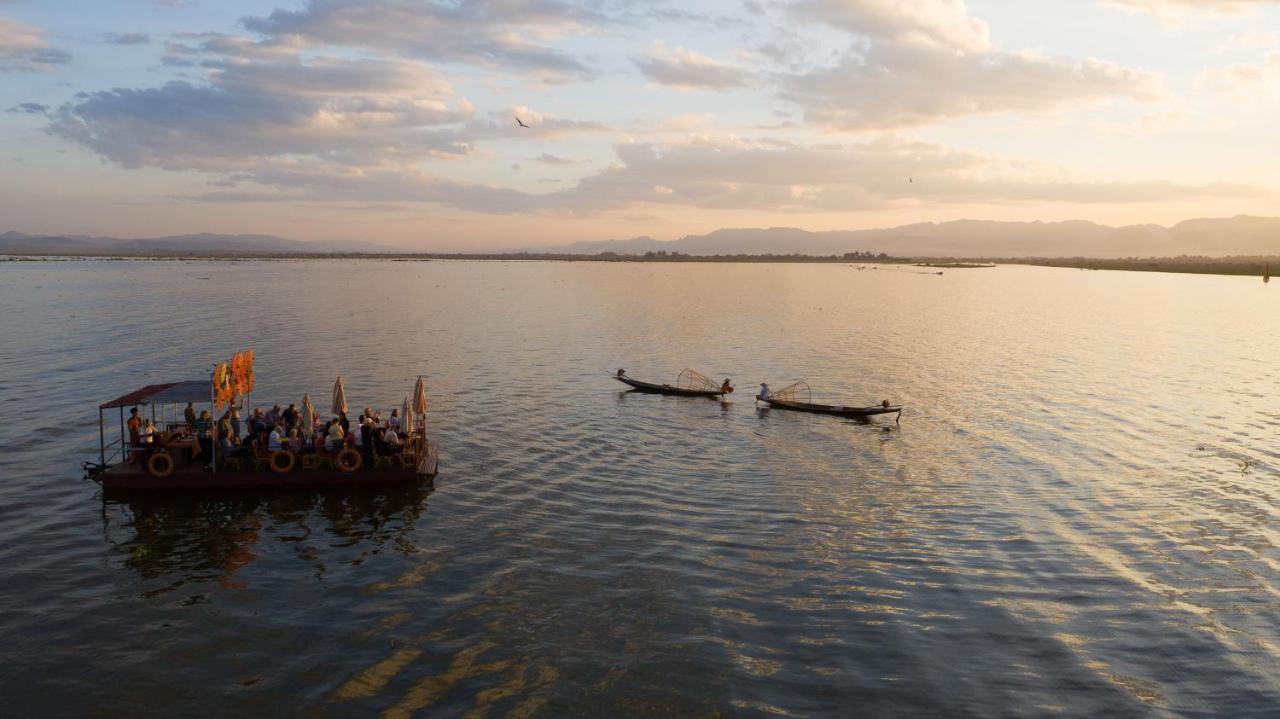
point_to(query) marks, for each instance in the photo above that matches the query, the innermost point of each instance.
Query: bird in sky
(520, 122)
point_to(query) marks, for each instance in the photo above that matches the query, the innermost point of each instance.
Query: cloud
(23, 49)
(935, 23)
(267, 101)
(691, 71)
(1179, 10)
(128, 38)
(921, 63)
(899, 86)
(547, 158)
(29, 108)
(1244, 84)
(766, 175)
(513, 34)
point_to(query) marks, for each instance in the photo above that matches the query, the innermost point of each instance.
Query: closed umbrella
(406, 419)
(308, 413)
(420, 401)
(339, 397)
(420, 397)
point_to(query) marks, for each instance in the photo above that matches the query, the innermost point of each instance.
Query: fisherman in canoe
(765, 394)
(726, 387)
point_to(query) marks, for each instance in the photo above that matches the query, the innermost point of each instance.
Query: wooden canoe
(835, 410)
(652, 388)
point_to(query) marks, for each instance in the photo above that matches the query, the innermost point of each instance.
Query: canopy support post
(102, 440)
(213, 431)
(123, 452)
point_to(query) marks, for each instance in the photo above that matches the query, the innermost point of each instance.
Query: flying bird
(520, 122)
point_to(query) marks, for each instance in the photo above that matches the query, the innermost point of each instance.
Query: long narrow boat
(688, 384)
(797, 398)
(835, 410)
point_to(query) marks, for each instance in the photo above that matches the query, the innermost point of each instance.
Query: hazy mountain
(1240, 235)
(200, 244)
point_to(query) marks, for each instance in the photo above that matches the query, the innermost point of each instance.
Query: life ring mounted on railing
(282, 461)
(160, 465)
(348, 460)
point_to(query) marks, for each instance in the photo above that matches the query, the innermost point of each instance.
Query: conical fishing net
(690, 379)
(798, 392)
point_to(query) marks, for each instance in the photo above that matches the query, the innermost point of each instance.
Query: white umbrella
(420, 399)
(339, 397)
(308, 412)
(406, 419)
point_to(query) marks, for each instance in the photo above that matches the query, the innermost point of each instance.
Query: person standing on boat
(344, 422)
(393, 422)
(204, 432)
(335, 436)
(273, 415)
(135, 428)
(290, 417)
(765, 394)
(189, 414)
(366, 441)
(257, 425)
(224, 424)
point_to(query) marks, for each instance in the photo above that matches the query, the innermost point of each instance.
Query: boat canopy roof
(167, 393)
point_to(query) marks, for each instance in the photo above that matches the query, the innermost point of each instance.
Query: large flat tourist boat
(179, 458)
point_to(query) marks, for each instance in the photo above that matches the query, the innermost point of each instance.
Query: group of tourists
(272, 431)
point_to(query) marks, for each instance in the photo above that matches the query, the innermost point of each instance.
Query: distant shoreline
(1240, 266)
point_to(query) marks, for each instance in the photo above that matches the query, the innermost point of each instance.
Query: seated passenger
(227, 448)
(294, 443)
(390, 442)
(274, 440)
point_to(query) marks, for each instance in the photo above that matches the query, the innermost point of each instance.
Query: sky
(393, 121)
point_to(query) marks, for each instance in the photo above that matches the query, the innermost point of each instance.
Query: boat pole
(213, 432)
(102, 440)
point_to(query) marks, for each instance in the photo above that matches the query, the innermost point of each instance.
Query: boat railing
(113, 452)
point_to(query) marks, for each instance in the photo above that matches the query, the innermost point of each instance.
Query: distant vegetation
(1185, 263)
(1239, 265)
(956, 265)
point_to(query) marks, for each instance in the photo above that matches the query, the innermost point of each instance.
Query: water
(1079, 513)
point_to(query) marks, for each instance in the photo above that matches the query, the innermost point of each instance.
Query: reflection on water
(210, 536)
(1077, 514)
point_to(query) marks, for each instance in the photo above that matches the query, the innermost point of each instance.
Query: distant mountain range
(1214, 237)
(201, 244)
(1240, 235)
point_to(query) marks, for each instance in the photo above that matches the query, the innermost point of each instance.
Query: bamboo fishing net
(690, 379)
(798, 392)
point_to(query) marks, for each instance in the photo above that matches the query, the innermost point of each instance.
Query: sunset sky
(392, 120)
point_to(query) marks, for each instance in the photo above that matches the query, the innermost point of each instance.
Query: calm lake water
(1078, 514)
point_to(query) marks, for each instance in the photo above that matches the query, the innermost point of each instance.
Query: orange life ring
(348, 460)
(289, 461)
(160, 465)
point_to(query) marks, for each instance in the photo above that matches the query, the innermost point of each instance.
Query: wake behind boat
(798, 398)
(689, 384)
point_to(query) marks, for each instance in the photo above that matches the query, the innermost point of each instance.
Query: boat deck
(131, 477)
